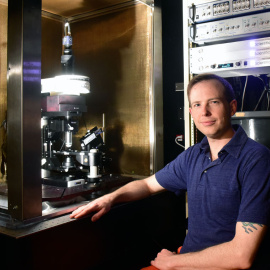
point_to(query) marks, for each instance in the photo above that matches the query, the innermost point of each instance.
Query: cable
(267, 100)
(179, 143)
(62, 144)
(264, 90)
(268, 94)
(244, 93)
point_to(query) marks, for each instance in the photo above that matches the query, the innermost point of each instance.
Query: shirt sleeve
(255, 193)
(173, 176)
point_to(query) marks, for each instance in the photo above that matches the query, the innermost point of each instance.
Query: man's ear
(233, 106)
(190, 111)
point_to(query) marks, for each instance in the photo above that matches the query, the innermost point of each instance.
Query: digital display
(228, 65)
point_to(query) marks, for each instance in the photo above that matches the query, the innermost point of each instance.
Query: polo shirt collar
(233, 147)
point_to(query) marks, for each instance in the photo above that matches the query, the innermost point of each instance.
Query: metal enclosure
(118, 45)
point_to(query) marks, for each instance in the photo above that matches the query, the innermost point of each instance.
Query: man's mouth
(208, 123)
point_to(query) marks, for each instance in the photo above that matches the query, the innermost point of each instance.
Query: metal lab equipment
(61, 165)
(61, 109)
(124, 62)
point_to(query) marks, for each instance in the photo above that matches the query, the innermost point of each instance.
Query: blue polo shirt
(235, 187)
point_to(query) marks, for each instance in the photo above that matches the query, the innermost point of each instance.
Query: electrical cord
(244, 93)
(179, 143)
(267, 100)
(264, 90)
(62, 144)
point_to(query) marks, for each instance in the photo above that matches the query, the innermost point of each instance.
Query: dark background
(172, 42)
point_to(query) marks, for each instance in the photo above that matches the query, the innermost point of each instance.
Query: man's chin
(210, 133)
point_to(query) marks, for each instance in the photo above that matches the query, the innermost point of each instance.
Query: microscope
(61, 108)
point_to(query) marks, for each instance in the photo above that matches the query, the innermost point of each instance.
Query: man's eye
(196, 105)
(215, 101)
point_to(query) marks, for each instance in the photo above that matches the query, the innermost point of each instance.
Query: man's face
(210, 110)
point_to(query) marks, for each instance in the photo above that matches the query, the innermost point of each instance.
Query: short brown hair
(228, 91)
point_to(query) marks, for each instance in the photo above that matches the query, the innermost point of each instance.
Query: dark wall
(172, 42)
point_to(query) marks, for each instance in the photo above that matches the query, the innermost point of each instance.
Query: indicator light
(252, 53)
(252, 43)
(252, 63)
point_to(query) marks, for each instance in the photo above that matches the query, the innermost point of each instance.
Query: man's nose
(205, 110)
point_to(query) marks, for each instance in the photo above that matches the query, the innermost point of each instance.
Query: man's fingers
(99, 214)
(80, 213)
(86, 209)
(101, 206)
(83, 210)
(75, 212)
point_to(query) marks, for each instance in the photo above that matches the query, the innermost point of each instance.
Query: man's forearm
(136, 190)
(239, 253)
(132, 191)
(221, 257)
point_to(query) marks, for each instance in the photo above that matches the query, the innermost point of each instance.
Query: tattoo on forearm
(249, 226)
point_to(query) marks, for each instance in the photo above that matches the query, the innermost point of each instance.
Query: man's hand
(162, 259)
(101, 205)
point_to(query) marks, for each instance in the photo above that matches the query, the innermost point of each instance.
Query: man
(227, 180)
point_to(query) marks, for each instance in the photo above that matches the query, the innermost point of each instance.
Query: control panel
(228, 59)
(230, 28)
(221, 9)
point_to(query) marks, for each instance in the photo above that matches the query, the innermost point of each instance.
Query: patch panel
(222, 9)
(230, 28)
